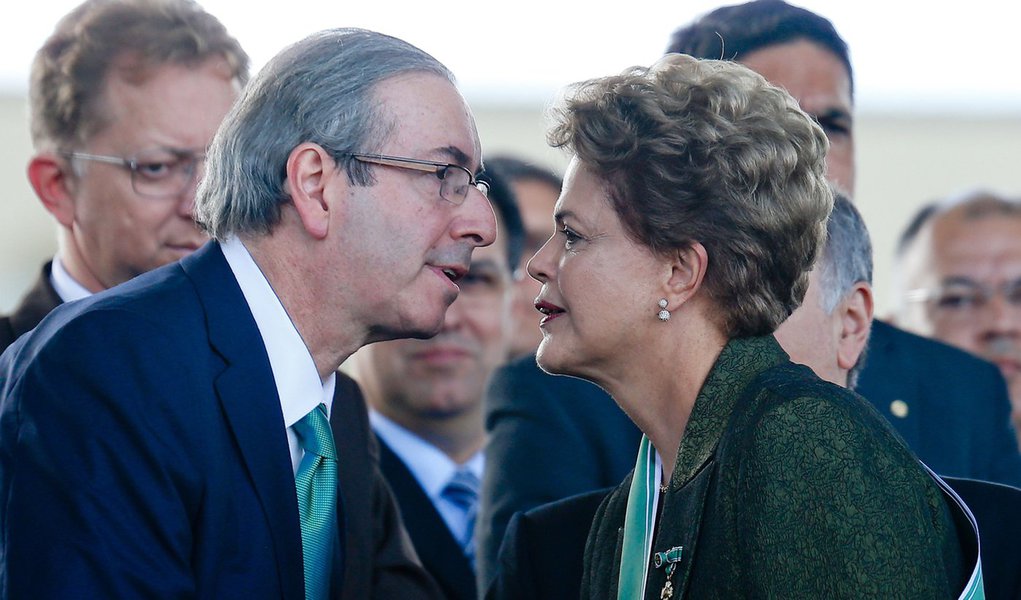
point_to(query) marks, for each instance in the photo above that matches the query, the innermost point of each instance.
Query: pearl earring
(664, 314)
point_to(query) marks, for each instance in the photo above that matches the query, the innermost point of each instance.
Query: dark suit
(541, 555)
(143, 455)
(550, 437)
(958, 410)
(36, 304)
(441, 554)
(589, 443)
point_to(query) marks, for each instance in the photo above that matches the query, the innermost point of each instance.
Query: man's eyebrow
(456, 155)
(832, 114)
(960, 280)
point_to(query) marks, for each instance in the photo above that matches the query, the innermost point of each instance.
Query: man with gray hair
(830, 330)
(959, 280)
(187, 433)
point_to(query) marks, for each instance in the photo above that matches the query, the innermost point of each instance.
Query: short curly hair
(708, 151)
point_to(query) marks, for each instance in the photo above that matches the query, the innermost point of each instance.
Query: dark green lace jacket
(786, 486)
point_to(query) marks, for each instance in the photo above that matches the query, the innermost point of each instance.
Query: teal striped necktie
(316, 483)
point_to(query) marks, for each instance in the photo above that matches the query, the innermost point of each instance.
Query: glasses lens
(454, 187)
(162, 173)
(483, 187)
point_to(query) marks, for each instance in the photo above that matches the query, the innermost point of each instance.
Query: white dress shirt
(67, 287)
(430, 466)
(298, 384)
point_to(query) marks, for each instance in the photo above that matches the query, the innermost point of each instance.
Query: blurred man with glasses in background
(426, 398)
(125, 96)
(959, 280)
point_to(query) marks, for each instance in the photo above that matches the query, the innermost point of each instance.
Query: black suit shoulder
(542, 554)
(40, 299)
(534, 418)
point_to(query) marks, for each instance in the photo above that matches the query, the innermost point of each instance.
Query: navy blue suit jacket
(957, 409)
(143, 454)
(552, 437)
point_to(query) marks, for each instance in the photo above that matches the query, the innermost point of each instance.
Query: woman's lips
(550, 310)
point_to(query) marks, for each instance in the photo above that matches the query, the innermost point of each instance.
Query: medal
(670, 558)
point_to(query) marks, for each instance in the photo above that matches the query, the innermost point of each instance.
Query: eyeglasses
(156, 173)
(455, 180)
(965, 298)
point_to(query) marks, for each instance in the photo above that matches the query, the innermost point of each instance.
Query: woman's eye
(570, 237)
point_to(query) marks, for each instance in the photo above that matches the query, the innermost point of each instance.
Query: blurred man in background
(959, 280)
(536, 190)
(125, 97)
(426, 399)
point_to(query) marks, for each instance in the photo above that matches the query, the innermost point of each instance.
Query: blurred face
(536, 200)
(405, 244)
(599, 288)
(116, 233)
(412, 381)
(817, 79)
(967, 274)
(810, 335)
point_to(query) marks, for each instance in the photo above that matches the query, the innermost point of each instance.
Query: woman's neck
(660, 395)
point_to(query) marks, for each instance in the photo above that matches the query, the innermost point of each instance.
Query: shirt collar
(67, 287)
(297, 380)
(430, 466)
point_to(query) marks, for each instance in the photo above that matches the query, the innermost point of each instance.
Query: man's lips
(451, 272)
(550, 310)
(441, 354)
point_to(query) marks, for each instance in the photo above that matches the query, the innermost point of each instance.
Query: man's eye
(834, 127)
(957, 301)
(478, 280)
(155, 170)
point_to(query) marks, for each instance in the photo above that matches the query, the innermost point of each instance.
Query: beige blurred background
(903, 162)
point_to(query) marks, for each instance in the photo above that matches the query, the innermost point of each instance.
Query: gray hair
(318, 90)
(846, 260)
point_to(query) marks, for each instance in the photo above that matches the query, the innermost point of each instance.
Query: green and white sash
(639, 523)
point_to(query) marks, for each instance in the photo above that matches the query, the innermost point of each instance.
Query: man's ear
(310, 171)
(687, 272)
(855, 314)
(52, 181)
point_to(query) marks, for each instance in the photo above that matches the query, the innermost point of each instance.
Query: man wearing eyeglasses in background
(426, 399)
(125, 97)
(958, 280)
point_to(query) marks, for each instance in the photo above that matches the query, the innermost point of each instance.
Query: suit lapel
(440, 553)
(248, 395)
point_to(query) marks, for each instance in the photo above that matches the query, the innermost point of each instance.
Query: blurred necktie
(316, 482)
(463, 491)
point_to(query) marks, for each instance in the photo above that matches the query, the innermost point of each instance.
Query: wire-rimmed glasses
(455, 180)
(156, 173)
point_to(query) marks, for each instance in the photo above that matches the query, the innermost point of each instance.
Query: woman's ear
(310, 170)
(687, 273)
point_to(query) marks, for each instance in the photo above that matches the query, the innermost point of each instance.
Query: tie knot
(462, 489)
(314, 433)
